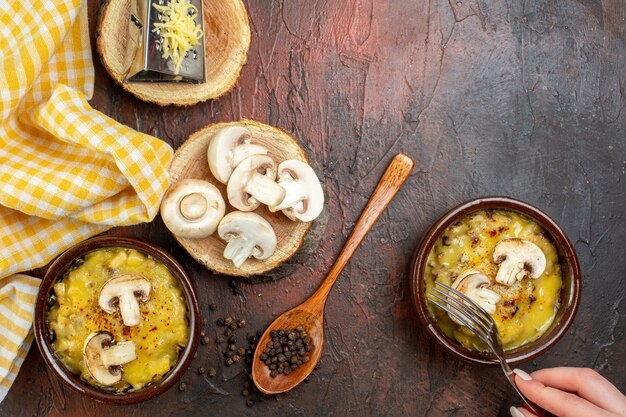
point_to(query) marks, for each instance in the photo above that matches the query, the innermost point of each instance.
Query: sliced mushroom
(247, 234)
(228, 148)
(474, 285)
(104, 358)
(252, 182)
(518, 258)
(192, 208)
(125, 291)
(304, 197)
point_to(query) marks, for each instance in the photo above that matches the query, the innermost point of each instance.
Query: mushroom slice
(518, 258)
(103, 357)
(473, 284)
(304, 197)
(192, 208)
(125, 291)
(247, 234)
(252, 182)
(228, 148)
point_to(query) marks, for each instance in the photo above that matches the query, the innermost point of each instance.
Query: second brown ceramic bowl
(58, 268)
(570, 292)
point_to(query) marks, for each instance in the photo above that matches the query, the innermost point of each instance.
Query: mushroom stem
(193, 206)
(509, 272)
(129, 307)
(239, 249)
(294, 194)
(264, 189)
(119, 354)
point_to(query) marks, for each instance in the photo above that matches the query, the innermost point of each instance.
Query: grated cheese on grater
(178, 30)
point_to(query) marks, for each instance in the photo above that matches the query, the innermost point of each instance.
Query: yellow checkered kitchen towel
(67, 172)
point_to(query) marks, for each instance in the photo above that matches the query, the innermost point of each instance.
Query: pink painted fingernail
(522, 374)
(515, 412)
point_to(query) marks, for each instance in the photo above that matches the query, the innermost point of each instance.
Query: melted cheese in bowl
(164, 327)
(528, 307)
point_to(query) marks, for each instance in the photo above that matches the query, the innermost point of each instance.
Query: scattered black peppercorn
(205, 340)
(182, 387)
(220, 322)
(233, 326)
(201, 370)
(228, 320)
(241, 323)
(213, 307)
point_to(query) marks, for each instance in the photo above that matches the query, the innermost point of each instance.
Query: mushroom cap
(121, 284)
(308, 190)
(474, 284)
(192, 208)
(228, 148)
(103, 358)
(125, 291)
(518, 257)
(252, 227)
(247, 178)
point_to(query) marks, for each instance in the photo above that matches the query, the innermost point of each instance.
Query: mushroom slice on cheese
(228, 148)
(253, 182)
(473, 284)
(304, 197)
(518, 258)
(248, 235)
(104, 358)
(125, 291)
(192, 208)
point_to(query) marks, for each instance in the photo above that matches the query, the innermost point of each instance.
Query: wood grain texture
(518, 98)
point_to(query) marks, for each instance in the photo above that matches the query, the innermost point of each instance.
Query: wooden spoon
(310, 314)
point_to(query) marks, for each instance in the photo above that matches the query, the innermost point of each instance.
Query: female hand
(570, 392)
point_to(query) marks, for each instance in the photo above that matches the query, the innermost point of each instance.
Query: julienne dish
(511, 259)
(116, 318)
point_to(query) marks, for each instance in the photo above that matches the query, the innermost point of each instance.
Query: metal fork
(481, 323)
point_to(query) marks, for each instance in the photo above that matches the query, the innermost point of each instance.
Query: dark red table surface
(518, 98)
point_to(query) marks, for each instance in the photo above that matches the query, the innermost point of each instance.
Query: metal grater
(148, 65)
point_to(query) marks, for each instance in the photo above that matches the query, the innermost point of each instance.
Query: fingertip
(522, 374)
(520, 412)
(515, 412)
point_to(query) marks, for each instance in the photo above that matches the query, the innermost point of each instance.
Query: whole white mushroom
(192, 208)
(228, 148)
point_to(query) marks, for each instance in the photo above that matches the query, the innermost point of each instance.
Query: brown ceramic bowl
(570, 292)
(58, 268)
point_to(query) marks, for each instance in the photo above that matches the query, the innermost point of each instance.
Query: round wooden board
(190, 161)
(226, 43)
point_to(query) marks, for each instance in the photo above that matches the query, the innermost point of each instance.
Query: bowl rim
(59, 265)
(567, 255)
